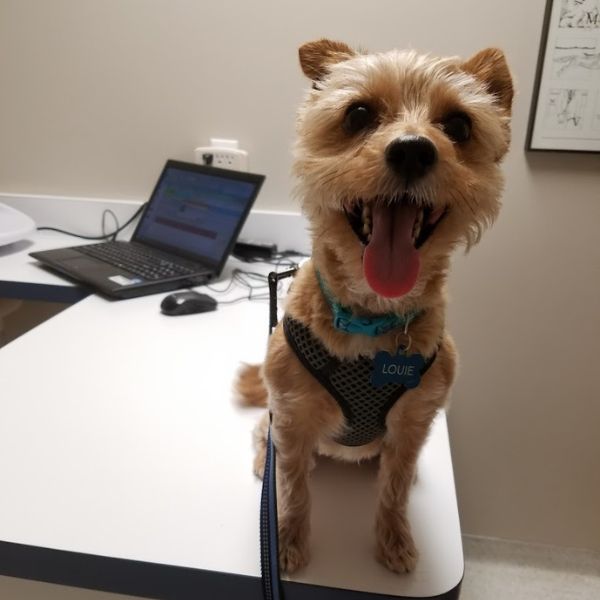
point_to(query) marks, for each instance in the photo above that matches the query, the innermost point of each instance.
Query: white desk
(126, 466)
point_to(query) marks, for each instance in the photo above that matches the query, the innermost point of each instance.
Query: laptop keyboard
(136, 259)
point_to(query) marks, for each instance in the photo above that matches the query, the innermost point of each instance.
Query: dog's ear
(490, 67)
(316, 57)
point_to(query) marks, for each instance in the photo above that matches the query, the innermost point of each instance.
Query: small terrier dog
(397, 158)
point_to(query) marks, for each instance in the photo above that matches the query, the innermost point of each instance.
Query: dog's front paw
(293, 549)
(395, 547)
(258, 467)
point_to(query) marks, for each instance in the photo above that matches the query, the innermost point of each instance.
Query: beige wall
(94, 95)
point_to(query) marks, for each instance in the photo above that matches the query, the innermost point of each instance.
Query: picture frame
(565, 109)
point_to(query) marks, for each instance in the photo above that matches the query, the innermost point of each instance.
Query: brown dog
(397, 158)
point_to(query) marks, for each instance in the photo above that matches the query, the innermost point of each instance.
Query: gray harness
(364, 406)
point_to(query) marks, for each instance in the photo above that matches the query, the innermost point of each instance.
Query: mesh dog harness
(364, 406)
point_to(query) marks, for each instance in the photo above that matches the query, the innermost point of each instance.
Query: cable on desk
(106, 212)
(244, 298)
(279, 259)
(256, 284)
(98, 237)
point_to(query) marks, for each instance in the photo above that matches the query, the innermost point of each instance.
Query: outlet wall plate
(224, 158)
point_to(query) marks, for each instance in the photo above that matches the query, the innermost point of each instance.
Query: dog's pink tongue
(391, 262)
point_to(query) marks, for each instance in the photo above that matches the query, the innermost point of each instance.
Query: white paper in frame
(565, 111)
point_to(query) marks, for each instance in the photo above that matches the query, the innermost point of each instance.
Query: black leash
(269, 542)
(269, 539)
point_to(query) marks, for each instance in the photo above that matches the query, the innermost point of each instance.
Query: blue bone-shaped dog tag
(399, 369)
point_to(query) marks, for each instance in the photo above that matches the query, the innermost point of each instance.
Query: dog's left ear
(490, 67)
(316, 57)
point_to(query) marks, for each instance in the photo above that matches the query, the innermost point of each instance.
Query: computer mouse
(187, 303)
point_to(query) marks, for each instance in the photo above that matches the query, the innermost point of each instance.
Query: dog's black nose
(411, 156)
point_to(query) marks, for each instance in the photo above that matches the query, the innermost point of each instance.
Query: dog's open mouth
(392, 231)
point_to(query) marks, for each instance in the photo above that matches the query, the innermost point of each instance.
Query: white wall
(95, 95)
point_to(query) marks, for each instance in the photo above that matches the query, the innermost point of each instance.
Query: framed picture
(565, 112)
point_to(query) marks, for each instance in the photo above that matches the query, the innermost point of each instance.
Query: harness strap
(320, 373)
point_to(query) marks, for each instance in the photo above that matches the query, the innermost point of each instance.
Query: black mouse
(187, 303)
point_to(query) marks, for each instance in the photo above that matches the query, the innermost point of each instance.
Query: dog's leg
(294, 459)
(395, 546)
(260, 445)
(408, 424)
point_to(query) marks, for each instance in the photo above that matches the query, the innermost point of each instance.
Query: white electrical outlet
(224, 154)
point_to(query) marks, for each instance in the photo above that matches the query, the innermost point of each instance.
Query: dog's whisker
(464, 201)
(334, 176)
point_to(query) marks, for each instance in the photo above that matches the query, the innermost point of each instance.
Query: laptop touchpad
(83, 263)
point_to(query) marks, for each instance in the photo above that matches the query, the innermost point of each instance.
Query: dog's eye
(457, 127)
(358, 117)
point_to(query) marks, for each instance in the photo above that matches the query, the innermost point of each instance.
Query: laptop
(183, 238)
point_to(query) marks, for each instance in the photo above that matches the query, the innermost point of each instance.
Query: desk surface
(119, 438)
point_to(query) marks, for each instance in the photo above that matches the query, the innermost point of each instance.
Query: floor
(19, 316)
(499, 570)
(494, 570)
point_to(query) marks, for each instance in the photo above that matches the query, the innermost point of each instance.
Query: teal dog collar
(344, 320)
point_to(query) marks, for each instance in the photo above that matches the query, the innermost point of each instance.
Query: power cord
(256, 284)
(105, 213)
(104, 235)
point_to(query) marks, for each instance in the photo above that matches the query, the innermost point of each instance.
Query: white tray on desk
(14, 225)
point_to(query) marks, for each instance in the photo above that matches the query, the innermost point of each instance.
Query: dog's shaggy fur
(342, 161)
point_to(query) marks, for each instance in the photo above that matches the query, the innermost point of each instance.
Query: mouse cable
(244, 298)
(98, 237)
(246, 279)
(257, 285)
(279, 259)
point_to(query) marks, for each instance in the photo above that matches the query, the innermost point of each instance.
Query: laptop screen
(198, 211)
